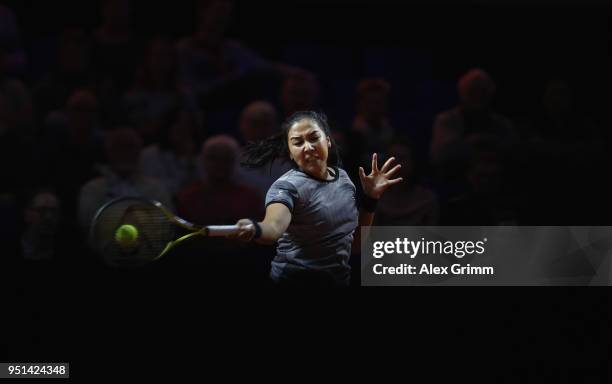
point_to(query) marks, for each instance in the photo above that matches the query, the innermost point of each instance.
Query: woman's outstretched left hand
(378, 180)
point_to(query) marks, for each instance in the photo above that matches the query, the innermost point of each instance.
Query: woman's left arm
(373, 185)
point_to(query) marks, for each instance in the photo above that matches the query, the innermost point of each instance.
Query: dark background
(521, 44)
(421, 49)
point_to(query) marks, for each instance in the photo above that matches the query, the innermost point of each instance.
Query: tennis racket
(132, 232)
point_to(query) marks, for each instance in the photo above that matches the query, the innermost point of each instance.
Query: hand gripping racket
(132, 232)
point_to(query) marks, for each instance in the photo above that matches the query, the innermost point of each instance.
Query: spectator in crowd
(455, 130)
(79, 120)
(72, 71)
(16, 134)
(410, 203)
(557, 127)
(557, 116)
(371, 130)
(156, 91)
(73, 147)
(564, 146)
(173, 159)
(299, 92)
(258, 121)
(221, 70)
(115, 56)
(120, 178)
(219, 198)
(40, 239)
(115, 48)
(488, 200)
(208, 61)
(16, 109)
(372, 120)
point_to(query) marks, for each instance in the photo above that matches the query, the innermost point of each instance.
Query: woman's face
(309, 147)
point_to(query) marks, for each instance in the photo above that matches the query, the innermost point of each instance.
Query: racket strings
(154, 232)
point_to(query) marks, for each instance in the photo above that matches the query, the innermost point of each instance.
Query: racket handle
(222, 230)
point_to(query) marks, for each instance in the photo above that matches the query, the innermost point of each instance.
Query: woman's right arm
(273, 225)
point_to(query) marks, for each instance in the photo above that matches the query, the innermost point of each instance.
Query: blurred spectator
(173, 160)
(258, 121)
(74, 146)
(455, 130)
(219, 199)
(40, 239)
(372, 118)
(115, 57)
(115, 48)
(78, 122)
(371, 131)
(120, 178)
(17, 141)
(223, 71)
(489, 200)
(15, 102)
(567, 148)
(208, 61)
(156, 91)
(14, 59)
(299, 92)
(409, 203)
(72, 71)
(557, 125)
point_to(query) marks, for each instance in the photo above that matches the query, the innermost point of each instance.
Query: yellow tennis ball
(126, 236)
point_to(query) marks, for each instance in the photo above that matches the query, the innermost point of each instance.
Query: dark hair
(258, 154)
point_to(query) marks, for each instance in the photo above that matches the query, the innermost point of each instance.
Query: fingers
(362, 174)
(387, 164)
(392, 171)
(246, 231)
(374, 163)
(394, 181)
(246, 234)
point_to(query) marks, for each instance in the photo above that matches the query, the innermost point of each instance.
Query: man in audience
(120, 178)
(455, 130)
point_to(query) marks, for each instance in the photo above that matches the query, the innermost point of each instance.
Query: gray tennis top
(324, 217)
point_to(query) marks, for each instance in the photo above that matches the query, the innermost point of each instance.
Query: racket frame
(196, 230)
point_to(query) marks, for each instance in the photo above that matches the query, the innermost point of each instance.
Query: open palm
(378, 180)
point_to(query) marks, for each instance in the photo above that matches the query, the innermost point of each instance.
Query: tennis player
(312, 211)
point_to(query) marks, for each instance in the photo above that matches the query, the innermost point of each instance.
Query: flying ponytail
(258, 154)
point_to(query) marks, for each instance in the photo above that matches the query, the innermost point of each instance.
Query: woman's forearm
(274, 224)
(269, 233)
